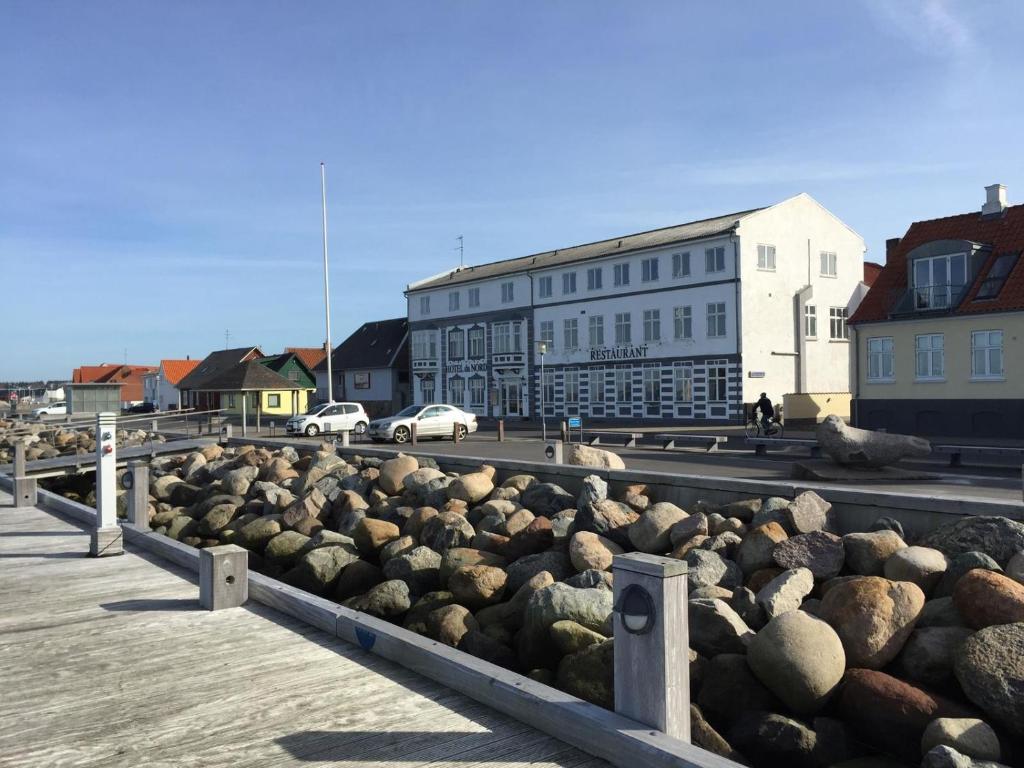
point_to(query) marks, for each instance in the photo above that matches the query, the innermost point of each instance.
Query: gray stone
(318, 570)
(820, 552)
(591, 578)
(589, 674)
(808, 512)
(286, 548)
(388, 600)
(651, 532)
(707, 569)
(927, 657)
(418, 568)
(447, 530)
(716, 628)
(923, 566)
(854, 447)
(694, 525)
(866, 553)
(593, 490)
(785, 592)
(940, 612)
(730, 688)
(592, 551)
(967, 735)
(416, 619)
(757, 550)
(522, 570)
(744, 602)
(725, 544)
(990, 668)
(775, 739)
(608, 518)
(545, 499)
(394, 471)
(998, 537)
(957, 566)
(1015, 568)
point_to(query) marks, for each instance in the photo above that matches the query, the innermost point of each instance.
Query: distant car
(53, 409)
(329, 417)
(434, 420)
(141, 408)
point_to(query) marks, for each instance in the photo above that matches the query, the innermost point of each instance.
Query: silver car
(433, 420)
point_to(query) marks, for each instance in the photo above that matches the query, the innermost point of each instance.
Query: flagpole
(327, 293)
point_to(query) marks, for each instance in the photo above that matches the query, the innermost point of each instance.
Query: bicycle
(753, 428)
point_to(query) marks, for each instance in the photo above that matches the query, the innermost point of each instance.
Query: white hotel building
(686, 323)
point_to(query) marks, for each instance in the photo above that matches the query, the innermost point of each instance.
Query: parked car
(53, 409)
(141, 408)
(329, 417)
(432, 420)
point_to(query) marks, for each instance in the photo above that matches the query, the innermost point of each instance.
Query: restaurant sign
(618, 353)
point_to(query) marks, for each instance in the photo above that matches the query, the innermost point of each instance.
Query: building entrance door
(511, 398)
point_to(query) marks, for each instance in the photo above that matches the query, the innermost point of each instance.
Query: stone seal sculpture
(852, 447)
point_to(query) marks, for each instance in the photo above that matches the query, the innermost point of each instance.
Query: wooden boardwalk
(111, 663)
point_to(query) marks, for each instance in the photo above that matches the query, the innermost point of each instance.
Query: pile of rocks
(807, 648)
(48, 441)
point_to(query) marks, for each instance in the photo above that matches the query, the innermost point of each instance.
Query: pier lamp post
(542, 349)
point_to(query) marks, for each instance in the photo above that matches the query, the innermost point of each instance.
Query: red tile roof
(1005, 234)
(174, 370)
(128, 376)
(871, 272)
(90, 374)
(310, 356)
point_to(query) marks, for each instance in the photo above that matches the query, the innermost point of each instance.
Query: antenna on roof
(227, 338)
(462, 255)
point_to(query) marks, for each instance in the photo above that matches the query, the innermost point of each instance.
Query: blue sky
(165, 156)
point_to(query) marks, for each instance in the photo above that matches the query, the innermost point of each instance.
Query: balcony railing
(928, 298)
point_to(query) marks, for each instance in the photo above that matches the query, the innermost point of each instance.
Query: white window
(766, 257)
(683, 383)
(544, 289)
(716, 319)
(595, 327)
(683, 320)
(594, 279)
(652, 325)
(424, 345)
(649, 270)
(453, 301)
(571, 333)
(939, 281)
(476, 342)
(681, 264)
(502, 338)
(424, 305)
(549, 388)
(717, 381)
(829, 264)
(652, 385)
(621, 274)
(427, 390)
(714, 259)
(881, 359)
(929, 353)
(456, 344)
(547, 333)
(837, 323)
(569, 283)
(457, 391)
(474, 297)
(623, 333)
(624, 385)
(507, 292)
(572, 386)
(517, 337)
(987, 354)
(476, 392)
(810, 321)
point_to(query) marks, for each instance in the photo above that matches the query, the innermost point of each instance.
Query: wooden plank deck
(111, 662)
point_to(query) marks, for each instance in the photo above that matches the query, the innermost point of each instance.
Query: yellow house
(251, 389)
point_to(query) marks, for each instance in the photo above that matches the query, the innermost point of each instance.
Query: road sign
(575, 422)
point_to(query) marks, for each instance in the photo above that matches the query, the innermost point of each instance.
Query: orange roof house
(128, 376)
(311, 357)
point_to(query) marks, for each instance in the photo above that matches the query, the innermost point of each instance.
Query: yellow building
(251, 390)
(940, 335)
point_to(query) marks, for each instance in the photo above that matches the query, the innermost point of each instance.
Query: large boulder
(546, 499)
(774, 739)
(757, 550)
(985, 598)
(286, 548)
(609, 518)
(923, 566)
(259, 532)
(457, 557)
(873, 617)
(237, 481)
(318, 570)
(998, 537)
(510, 614)
(850, 446)
(418, 568)
(394, 471)
(806, 513)
(967, 735)
(387, 600)
(818, 551)
(450, 623)
(800, 659)
(592, 490)
(572, 637)
(927, 657)
(525, 568)
(471, 488)
(476, 586)
(957, 566)
(588, 456)
(866, 553)
(592, 608)
(447, 530)
(651, 532)
(990, 668)
(589, 674)
(716, 628)
(356, 579)
(785, 592)
(370, 535)
(592, 551)
(709, 569)
(730, 688)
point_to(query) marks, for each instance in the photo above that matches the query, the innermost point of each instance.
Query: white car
(329, 417)
(430, 420)
(53, 409)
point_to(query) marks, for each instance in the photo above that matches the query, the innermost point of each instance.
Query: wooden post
(501, 430)
(455, 433)
(138, 495)
(25, 493)
(412, 433)
(223, 577)
(652, 666)
(106, 535)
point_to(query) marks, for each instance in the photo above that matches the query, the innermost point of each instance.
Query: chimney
(890, 248)
(995, 200)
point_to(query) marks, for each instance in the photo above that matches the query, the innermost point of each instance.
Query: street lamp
(542, 349)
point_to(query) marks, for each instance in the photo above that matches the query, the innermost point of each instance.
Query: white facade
(156, 388)
(691, 329)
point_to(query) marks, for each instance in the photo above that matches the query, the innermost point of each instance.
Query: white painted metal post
(138, 495)
(244, 432)
(652, 663)
(344, 438)
(106, 536)
(25, 494)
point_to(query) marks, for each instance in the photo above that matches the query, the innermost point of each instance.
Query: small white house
(161, 387)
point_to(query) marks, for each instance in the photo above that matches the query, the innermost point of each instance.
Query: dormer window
(997, 274)
(939, 280)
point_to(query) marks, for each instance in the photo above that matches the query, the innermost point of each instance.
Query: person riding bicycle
(764, 405)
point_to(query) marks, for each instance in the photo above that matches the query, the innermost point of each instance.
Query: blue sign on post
(575, 422)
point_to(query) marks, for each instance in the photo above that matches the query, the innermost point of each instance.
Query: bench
(956, 452)
(709, 442)
(761, 444)
(625, 439)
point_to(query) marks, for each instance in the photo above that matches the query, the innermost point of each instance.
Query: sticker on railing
(366, 638)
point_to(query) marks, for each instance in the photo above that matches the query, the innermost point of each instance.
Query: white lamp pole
(327, 293)
(542, 348)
